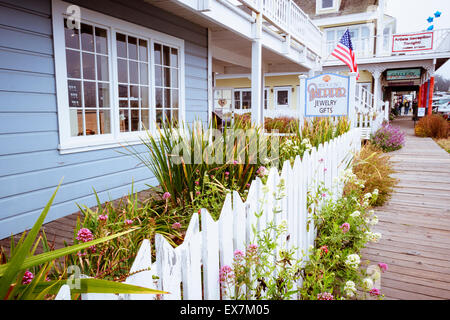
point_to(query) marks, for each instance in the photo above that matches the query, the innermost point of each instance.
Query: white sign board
(327, 95)
(421, 112)
(412, 42)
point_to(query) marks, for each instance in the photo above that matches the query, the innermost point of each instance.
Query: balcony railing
(286, 17)
(366, 47)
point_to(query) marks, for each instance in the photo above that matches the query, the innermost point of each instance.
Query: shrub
(374, 166)
(281, 124)
(388, 138)
(433, 125)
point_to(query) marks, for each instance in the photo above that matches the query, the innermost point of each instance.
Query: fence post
(352, 99)
(301, 100)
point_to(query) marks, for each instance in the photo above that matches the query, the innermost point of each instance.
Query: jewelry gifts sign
(327, 95)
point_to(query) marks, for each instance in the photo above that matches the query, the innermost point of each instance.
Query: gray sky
(412, 16)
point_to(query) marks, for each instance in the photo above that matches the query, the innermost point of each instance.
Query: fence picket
(210, 256)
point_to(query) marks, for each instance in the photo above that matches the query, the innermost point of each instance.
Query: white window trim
(371, 27)
(275, 98)
(240, 90)
(321, 10)
(69, 144)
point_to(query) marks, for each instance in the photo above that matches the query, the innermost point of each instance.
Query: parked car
(444, 108)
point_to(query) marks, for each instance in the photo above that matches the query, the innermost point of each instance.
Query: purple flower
(262, 171)
(85, 235)
(103, 217)
(325, 296)
(176, 225)
(345, 227)
(166, 196)
(128, 222)
(27, 277)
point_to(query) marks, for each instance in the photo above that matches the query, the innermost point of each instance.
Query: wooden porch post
(256, 77)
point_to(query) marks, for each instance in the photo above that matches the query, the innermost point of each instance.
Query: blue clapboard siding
(30, 164)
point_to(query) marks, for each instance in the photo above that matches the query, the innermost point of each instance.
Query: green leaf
(52, 255)
(11, 269)
(93, 286)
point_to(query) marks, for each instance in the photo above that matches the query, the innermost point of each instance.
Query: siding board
(30, 163)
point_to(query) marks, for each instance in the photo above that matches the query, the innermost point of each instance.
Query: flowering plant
(388, 138)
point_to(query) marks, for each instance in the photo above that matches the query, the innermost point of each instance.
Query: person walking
(407, 107)
(400, 108)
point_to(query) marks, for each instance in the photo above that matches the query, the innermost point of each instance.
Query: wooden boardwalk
(415, 223)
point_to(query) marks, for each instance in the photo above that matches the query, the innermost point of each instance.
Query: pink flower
(128, 222)
(27, 277)
(211, 176)
(176, 225)
(103, 217)
(325, 169)
(262, 171)
(81, 254)
(197, 182)
(253, 246)
(197, 193)
(85, 235)
(383, 266)
(321, 160)
(324, 195)
(225, 273)
(235, 162)
(227, 173)
(345, 227)
(248, 185)
(238, 254)
(166, 196)
(375, 292)
(325, 296)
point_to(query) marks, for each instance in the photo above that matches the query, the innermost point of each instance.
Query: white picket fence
(191, 271)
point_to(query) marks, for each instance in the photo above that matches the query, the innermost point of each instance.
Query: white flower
(373, 221)
(368, 195)
(367, 284)
(350, 288)
(375, 192)
(373, 236)
(371, 212)
(353, 261)
(355, 214)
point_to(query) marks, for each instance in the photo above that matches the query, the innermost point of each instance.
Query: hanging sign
(412, 42)
(402, 74)
(327, 95)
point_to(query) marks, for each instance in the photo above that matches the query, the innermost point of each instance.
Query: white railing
(369, 115)
(191, 271)
(366, 47)
(289, 19)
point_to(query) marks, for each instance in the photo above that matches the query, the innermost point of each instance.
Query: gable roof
(346, 7)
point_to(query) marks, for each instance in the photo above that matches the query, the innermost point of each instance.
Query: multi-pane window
(360, 36)
(243, 99)
(167, 95)
(282, 97)
(133, 82)
(114, 79)
(88, 81)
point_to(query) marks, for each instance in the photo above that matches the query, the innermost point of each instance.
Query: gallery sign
(403, 74)
(412, 42)
(327, 95)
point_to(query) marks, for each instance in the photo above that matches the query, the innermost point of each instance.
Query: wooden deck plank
(415, 223)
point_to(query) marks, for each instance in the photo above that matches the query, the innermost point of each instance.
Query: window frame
(241, 90)
(358, 42)
(70, 144)
(275, 98)
(320, 9)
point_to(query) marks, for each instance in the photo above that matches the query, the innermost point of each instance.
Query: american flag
(344, 52)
